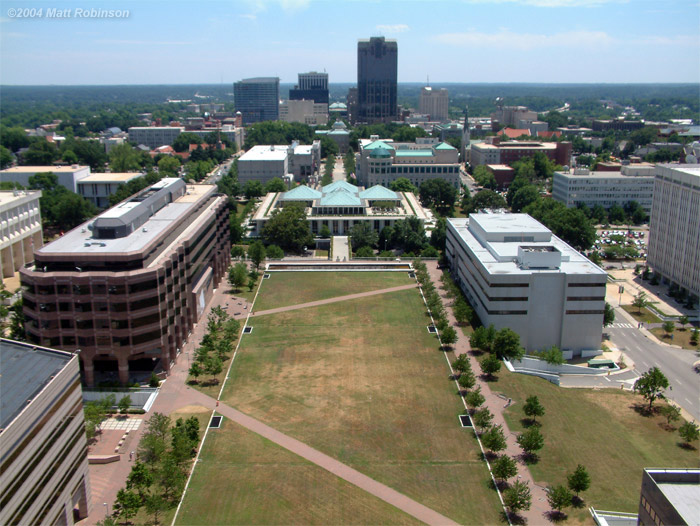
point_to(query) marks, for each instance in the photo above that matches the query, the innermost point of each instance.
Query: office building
(517, 274)
(382, 161)
(352, 106)
(68, 176)
(674, 227)
(377, 70)
(634, 182)
(304, 111)
(507, 152)
(265, 162)
(20, 229)
(669, 496)
(600, 125)
(127, 287)
(234, 133)
(503, 174)
(257, 99)
(514, 116)
(44, 476)
(312, 86)
(341, 205)
(434, 102)
(97, 187)
(154, 136)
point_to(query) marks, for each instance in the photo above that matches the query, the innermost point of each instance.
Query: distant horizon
(497, 41)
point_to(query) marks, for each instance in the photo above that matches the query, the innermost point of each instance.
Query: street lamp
(106, 508)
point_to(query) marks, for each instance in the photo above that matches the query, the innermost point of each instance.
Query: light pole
(106, 508)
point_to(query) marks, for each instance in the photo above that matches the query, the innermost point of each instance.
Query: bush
(274, 252)
(154, 381)
(364, 252)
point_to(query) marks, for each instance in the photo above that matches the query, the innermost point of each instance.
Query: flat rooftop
(41, 169)
(265, 152)
(115, 177)
(24, 371)
(603, 175)
(8, 196)
(81, 241)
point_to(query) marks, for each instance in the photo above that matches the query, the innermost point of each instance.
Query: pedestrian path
(623, 325)
(341, 248)
(122, 424)
(334, 300)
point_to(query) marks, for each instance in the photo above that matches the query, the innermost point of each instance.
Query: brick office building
(127, 287)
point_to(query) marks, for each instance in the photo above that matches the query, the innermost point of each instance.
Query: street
(676, 364)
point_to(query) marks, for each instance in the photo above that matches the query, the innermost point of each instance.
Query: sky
(211, 42)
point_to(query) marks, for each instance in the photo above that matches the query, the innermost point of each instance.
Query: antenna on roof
(428, 80)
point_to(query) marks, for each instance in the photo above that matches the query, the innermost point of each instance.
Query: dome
(339, 125)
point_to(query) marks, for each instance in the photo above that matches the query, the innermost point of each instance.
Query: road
(676, 364)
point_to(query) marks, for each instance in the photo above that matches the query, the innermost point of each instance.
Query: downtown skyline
(547, 41)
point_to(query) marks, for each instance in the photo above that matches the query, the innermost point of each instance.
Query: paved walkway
(333, 300)
(539, 508)
(341, 248)
(339, 170)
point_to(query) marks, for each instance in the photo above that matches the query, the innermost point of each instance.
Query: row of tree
(216, 345)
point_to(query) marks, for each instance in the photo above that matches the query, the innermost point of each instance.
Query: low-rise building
(379, 162)
(97, 187)
(20, 229)
(508, 152)
(674, 227)
(517, 274)
(339, 134)
(600, 125)
(127, 287)
(503, 174)
(44, 476)
(68, 176)
(634, 182)
(669, 496)
(304, 111)
(341, 205)
(154, 136)
(265, 162)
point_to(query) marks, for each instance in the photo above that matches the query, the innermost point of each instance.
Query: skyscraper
(312, 86)
(377, 66)
(434, 102)
(257, 99)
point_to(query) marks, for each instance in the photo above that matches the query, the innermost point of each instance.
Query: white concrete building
(634, 182)
(674, 228)
(68, 176)
(304, 111)
(383, 161)
(517, 274)
(265, 162)
(154, 136)
(97, 187)
(44, 476)
(20, 229)
(434, 102)
(341, 205)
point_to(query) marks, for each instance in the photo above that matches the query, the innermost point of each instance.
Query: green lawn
(680, 337)
(645, 316)
(600, 430)
(290, 288)
(243, 478)
(363, 381)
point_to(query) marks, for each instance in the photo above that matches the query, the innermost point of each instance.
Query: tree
(402, 184)
(288, 228)
(608, 315)
(438, 236)
(182, 142)
(683, 320)
(195, 370)
(482, 338)
(616, 214)
(695, 337)
(507, 344)
(140, 479)
(72, 209)
(5, 158)
(253, 189)
(274, 252)
(363, 235)
(251, 284)
(669, 327)
(324, 232)
(579, 480)
(474, 398)
(466, 380)
(531, 441)
(122, 158)
(461, 364)
(213, 365)
(559, 497)
(94, 414)
(524, 197)
(494, 439)
(651, 385)
(486, 199)
(256, 253)
(237, 252)
(275, 185)
(552, 355)
(462, 311)
(517, 497)
(237, 275)
(124, 404)
(689, 432)
(533, 408)
(640, 301)
(154, 440)
(169, 166)
(438, 193)
(40, 153)
(127, 504)
(448, 336)
(482, 418)
(490, 365)
(155, 505)
(484, 177)
(364, 252)
(504, 468)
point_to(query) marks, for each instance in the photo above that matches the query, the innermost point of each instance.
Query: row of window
(97, 341)
(403, 170)
(652, 513)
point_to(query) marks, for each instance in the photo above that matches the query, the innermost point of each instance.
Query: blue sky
(178, 42)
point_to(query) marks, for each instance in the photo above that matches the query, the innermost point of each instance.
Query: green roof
(301, 193)
(378, 145)
(340, 197)
(379, 192)
(414, 153)
(445, 146)
(339, 184)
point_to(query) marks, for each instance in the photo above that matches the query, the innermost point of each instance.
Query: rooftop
(265, 152)
(114, 177)
(24, 371)
(41, 169)
(681, 487)
(8, 196)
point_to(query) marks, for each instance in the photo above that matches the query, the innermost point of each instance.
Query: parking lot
(621, 244)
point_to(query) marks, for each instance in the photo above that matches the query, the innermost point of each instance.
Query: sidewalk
(341, 248)
(536, 514)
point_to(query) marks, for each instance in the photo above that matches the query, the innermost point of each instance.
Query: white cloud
(526, 41)
(552, 3)
(392, 28)
(249, 16)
